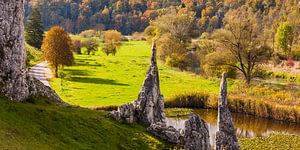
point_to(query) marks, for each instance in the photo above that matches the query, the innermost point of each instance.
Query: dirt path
(41, 72)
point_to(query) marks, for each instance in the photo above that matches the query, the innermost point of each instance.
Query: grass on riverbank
(40, 125)
(278, 142)
(240, 103)
(100, 80)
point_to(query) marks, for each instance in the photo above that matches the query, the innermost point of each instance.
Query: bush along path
(149, 109)
(41, 72)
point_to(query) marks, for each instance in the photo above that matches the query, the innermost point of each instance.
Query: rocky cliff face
(149, 106)
(13, 71)
(15, 83)
(226, 137)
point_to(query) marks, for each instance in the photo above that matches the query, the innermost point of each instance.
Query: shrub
(290, 62)
(77, 46)
(177, 60)
(296, 53)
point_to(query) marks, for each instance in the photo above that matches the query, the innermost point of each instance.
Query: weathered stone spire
(13, 71)
(149, 106)
(226, 137)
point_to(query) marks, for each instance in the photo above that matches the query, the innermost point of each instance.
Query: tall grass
(236, 103)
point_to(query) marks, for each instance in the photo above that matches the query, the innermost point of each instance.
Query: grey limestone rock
(149, 106)
(167, 133)
(15, 82)
(196, 134)
(225, 137)
(13, 70)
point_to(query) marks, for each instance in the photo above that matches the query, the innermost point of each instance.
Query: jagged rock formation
(149, 106)
(226, 137)
(196, 134)
(38, 89)
(15, 83)
(167, 133)
(13, 71)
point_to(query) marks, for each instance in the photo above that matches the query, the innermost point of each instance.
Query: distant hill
(129, 16)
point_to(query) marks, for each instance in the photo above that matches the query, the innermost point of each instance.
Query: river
(246, 126)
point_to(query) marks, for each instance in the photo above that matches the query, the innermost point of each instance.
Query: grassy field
(100, 80)
(39, 125)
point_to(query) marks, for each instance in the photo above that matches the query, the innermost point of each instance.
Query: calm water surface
(246, 126)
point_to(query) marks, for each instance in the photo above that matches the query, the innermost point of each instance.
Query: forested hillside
(129, 16)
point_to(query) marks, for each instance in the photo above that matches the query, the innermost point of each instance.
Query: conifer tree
(34, 30)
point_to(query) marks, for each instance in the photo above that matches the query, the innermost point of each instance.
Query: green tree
(57, 47)
(34, 30)
(91, 45)
(285, 37)
(241, 44)
(173, 33)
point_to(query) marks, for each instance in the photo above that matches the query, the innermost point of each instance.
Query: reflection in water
(246, 126)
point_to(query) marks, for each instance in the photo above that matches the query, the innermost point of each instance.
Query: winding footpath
(41, 72)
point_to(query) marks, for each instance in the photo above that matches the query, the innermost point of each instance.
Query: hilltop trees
(241, 44)
(57, 47)
(112, 40)
(34, 30)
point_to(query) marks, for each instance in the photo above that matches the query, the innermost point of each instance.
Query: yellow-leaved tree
(57, 47)
(112, 40)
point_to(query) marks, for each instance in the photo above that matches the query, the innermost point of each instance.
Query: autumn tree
(173, 33)
(91, 45)
(34, 30)
(57, 47)
(241, 44)
(112, 40)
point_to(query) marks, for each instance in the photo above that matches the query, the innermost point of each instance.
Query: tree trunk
(13, 70)
(56, 71)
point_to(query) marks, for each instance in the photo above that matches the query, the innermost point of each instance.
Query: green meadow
(99, 80)
(38, 124)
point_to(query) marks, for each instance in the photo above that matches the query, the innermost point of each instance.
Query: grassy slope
(39, 125)
(102, 80)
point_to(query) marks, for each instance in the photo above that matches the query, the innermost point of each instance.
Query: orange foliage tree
(112, 40)
(57, 47)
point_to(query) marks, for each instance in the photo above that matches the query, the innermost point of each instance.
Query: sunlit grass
(101, 80)
(39, 125)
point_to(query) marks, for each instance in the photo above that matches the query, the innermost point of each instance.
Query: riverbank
(237, 103)
(278, 142)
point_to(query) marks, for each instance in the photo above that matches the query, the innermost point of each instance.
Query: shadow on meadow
(95, 81)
